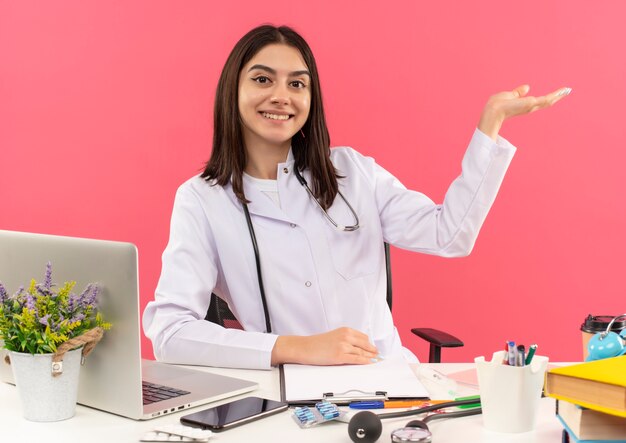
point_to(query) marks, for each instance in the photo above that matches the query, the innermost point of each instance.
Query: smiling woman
(317, 293)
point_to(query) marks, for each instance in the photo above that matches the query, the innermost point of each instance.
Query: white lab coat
(316, 277)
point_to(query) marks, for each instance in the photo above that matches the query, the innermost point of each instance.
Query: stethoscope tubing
(436, 407)
(257, 259)
(347, 228)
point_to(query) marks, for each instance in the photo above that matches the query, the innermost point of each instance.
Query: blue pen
(367, 405)
(512, 353)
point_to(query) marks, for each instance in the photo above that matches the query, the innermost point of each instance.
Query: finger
(364, 344)
(362, 341)
(558, 95)
(562, 92)
(359, 351)
(353, 359)
(521, 91)
(550, 99)
(526, 105)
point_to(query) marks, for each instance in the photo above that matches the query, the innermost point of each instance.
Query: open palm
(507, 104)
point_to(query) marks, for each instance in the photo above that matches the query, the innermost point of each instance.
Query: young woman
(316, 217)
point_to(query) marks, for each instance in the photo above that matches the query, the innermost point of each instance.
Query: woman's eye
(261, 79)
(298, 84)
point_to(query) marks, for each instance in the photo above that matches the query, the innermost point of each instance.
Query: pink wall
(105, 108)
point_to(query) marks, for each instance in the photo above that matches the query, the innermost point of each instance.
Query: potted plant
(48, 331)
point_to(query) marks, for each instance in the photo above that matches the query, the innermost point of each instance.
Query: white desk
(90, 425)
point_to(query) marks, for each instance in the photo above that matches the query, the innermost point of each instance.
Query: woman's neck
(263, 160)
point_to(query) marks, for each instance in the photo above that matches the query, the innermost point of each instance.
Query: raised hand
(508, 104)
(336, 347)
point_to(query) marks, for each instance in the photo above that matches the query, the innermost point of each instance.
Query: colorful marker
(393, 404)
(471, 397)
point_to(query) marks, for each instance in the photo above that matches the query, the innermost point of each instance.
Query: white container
(44, 397)
(510, 395)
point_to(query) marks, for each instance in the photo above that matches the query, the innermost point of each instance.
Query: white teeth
(275, 116)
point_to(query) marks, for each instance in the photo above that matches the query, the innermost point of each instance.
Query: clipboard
(390, 379)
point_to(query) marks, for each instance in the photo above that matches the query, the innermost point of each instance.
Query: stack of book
(591, 400)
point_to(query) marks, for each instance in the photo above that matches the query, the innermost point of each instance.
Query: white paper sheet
(394, 376)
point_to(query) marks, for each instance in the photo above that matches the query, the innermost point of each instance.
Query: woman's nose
(280, 96)
(276, 100)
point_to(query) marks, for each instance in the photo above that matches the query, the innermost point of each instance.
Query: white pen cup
(510, 395)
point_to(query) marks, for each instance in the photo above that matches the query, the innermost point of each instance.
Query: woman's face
(274, 96)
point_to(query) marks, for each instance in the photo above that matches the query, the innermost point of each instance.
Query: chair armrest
(437, 339)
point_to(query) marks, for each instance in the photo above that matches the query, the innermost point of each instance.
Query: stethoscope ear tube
(436, 407)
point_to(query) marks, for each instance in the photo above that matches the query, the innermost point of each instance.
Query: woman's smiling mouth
(276, 116)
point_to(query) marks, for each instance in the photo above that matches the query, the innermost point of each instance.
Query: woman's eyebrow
(273, 71)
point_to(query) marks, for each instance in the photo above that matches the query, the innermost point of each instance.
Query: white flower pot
(44, 397)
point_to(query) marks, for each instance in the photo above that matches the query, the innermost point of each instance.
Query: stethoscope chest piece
(411, 434)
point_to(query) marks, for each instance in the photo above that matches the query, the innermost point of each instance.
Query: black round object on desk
(365, 427)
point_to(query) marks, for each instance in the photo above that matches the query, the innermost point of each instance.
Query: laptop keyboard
(153, 393)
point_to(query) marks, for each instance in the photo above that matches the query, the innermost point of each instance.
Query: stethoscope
(366, 427)
(255, 246)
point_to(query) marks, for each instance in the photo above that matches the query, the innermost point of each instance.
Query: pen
(531, 353)
(512, 355)
(393, 404)
(471, 397)
(505, 357)
(521, 355)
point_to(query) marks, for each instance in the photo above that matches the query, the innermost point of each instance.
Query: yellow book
(598, 385)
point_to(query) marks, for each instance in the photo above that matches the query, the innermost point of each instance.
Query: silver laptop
(114, 377)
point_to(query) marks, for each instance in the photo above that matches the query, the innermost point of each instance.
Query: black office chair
(220, 313)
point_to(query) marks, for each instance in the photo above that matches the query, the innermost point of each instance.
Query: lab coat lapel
(261, 205)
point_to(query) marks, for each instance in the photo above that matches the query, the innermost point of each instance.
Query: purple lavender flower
(83, 296)
(44, 320)
(92, 294)
(47, 283)
(30, 301)
(54, 325)
(88, 296)
(79, 317)
(3, 293)
(43, 290)
(19, 292)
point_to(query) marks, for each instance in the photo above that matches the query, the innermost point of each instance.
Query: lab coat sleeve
(412, 221)
(174, 321)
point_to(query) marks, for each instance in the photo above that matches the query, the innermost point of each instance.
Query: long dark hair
(310, 149)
